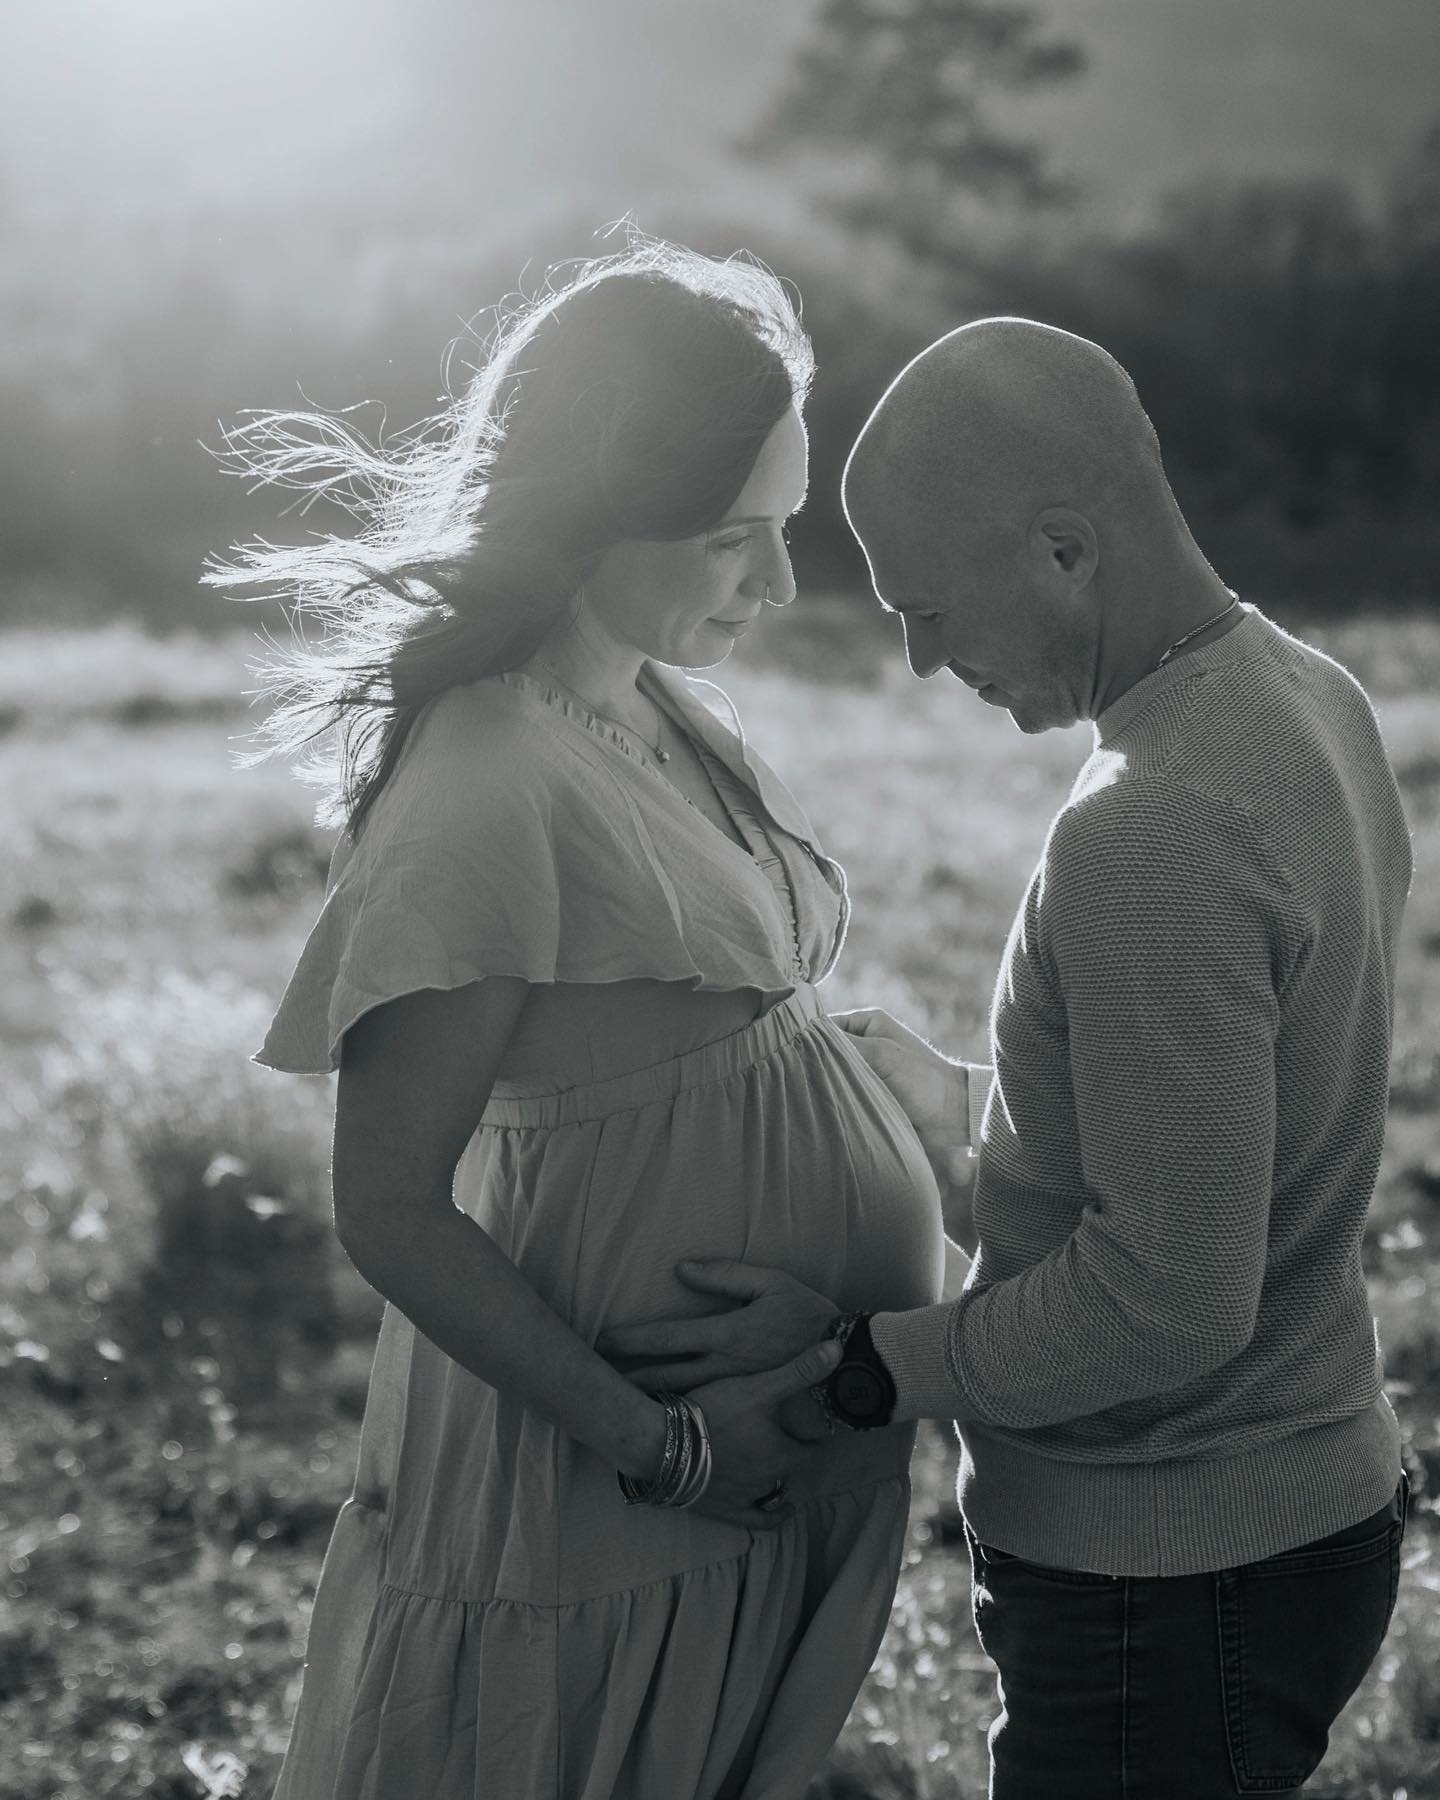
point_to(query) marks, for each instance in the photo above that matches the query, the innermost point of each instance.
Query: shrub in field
(120, 673)
(284, 863)
(243, 1271)
(227, 1172)
(168, 1309)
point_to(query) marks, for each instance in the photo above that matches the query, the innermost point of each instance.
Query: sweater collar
(1240, 642)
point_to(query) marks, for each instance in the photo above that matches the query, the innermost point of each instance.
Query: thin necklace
(660, 755)
(1181, 642)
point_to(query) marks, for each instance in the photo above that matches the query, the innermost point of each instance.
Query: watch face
(859, 1391)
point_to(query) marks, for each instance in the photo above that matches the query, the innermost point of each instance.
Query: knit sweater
(1164, 1360)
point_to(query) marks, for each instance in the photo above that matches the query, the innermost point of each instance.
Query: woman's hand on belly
(775, 1317)
(763, 1429)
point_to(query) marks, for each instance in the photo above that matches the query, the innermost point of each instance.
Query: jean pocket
(1297, 1634)
(987, 1553)
(986, 1556)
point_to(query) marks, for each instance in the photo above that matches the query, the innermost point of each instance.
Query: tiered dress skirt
(492, 1622)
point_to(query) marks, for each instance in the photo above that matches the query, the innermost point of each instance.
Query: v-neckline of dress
(764, 855)
(598, 725)
(634, 747)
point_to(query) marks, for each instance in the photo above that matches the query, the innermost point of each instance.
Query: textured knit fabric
(491, 1619)
(1164, 1360)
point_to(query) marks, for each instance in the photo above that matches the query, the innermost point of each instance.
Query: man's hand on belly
(775, 1318)
(932, 1090)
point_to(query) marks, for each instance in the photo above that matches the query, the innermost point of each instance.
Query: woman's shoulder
(499, 734)
(492, 711)
(473, 762)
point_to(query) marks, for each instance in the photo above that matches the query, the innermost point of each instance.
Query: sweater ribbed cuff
(914, 1346)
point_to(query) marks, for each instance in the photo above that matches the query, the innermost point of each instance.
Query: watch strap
(860, 1388)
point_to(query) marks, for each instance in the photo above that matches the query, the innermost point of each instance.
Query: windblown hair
(629, 400)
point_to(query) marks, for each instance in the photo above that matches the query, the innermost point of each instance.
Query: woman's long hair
(629, 400)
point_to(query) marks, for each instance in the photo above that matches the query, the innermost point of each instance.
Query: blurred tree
(1282, 339)
(1265, 291)
(884, 120)
(890, 96)
(1409, 344)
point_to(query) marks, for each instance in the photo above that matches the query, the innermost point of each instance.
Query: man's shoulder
(1114, 799)
(1329, 673)
(1288, 698)
(1120, 825)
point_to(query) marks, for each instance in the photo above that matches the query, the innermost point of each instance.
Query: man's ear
(1066, 541)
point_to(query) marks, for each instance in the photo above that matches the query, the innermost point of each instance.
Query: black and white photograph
(720, 923)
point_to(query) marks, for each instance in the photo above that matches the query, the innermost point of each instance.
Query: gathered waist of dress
(710, 1063)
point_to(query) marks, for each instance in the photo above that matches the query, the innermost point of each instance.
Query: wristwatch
(859, 1391)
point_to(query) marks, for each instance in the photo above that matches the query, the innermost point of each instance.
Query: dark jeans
(1188, 1687)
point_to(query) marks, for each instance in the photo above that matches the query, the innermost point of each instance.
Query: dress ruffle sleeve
(501, 846)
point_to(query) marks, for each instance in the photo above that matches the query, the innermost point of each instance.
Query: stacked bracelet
(685, 1466)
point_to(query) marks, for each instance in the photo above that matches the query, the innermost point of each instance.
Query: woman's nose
(776, 582)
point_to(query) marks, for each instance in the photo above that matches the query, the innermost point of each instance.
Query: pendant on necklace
(662, 756)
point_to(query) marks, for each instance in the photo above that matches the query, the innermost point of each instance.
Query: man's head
(1009, 496)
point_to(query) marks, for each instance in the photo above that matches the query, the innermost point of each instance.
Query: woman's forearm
(453, 1282)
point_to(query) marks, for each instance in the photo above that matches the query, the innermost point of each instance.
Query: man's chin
(1032, 720)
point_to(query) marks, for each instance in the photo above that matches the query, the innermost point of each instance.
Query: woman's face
(686, 603)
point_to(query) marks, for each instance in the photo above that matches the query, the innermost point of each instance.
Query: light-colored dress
(492, 1622)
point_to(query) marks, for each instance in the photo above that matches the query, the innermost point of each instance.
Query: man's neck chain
(1181, 642)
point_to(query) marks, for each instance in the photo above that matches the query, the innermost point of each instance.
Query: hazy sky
(177, 107)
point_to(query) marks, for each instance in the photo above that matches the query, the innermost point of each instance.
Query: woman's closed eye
(739, 540)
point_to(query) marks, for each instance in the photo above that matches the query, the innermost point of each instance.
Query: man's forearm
(1060, 1340)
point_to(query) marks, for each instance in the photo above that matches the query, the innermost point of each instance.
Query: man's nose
(923, 648)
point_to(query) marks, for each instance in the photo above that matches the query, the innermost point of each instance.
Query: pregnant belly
(777, 1146)
(800, 1160)
(886, 1202)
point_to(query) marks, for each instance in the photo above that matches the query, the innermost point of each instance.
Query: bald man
(1180, 1478)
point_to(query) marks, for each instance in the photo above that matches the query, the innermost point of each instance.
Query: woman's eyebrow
(756, 518)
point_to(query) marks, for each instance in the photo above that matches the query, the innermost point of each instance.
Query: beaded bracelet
(685, 1466)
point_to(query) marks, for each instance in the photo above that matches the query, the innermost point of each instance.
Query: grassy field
(184, 1349)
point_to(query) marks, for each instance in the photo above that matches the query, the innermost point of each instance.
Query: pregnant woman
(566, 968)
